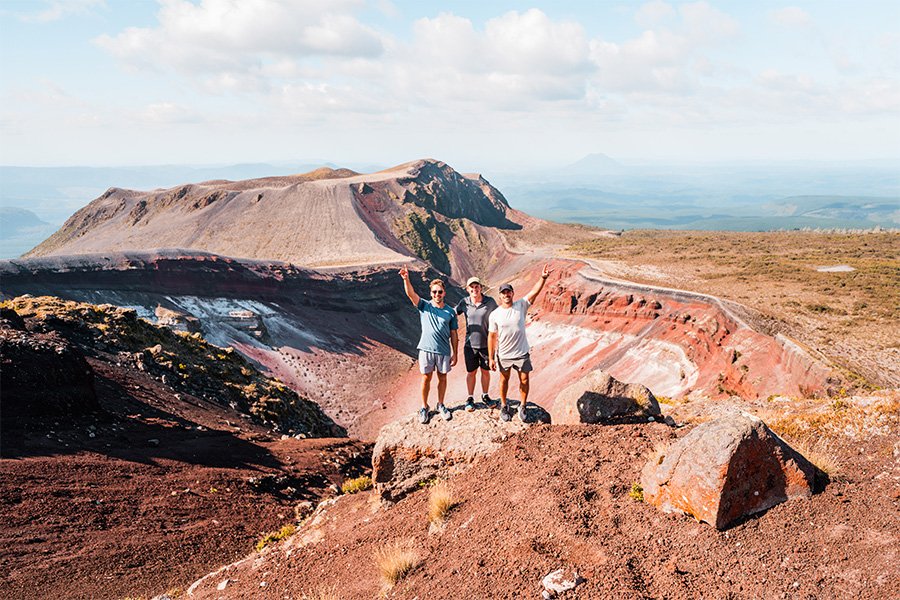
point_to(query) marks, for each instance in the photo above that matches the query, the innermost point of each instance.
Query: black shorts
(475, 358)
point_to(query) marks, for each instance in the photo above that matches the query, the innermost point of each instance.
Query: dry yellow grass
(358, 484)
(440, 501)
(819, 453)
(322, 593)
(395, 560)
(271, 538)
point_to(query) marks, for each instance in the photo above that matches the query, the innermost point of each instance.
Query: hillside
(561, 496)
(325, 218)
(135, 457)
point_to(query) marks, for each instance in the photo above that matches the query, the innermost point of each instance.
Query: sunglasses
(437, 292)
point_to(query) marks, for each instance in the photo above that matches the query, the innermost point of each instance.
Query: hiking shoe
(470, 404)
(424, 416)
(445, 413)
(505, 413)
(522, 411)
(487, 401)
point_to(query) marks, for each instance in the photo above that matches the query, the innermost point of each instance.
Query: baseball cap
(505, 288)
(473, 280)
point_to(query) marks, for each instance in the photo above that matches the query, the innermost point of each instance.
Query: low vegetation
(271, 538)
(395, 560)
(357, 484)
(322, 593)
(636, 492)
(440, 502)
(184, 361)
(875, 416)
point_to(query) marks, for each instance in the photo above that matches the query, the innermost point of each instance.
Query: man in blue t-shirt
(437, 344)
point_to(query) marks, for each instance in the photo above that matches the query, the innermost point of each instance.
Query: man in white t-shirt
(507, 344)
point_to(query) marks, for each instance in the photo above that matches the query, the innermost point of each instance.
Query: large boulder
(408, 454)
(727, 469)
(598, 397)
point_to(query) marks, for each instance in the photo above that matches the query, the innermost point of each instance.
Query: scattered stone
(154, 443)
(223, 584)
(303, 510)
(598, 397)
(727, 469)
(559, 581)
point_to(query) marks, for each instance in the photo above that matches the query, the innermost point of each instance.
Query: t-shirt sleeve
(461, 306)
(454, 323)
(525, 303)
(421, 304)
(492, 324)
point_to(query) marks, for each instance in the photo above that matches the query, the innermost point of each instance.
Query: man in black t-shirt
(477, 308)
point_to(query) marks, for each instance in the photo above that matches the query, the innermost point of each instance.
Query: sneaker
(445, 413)
(522, 411)
(487, 401)
(470, 404)
(505, 414)
(424, 416)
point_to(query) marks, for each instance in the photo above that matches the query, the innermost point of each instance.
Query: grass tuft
(395, 560)
(357, 484)
(322, 593)
(271, 538)
(636, 492)
(820, 454)
(440, 501)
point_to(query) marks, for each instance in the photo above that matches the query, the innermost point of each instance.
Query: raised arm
(533, 294)
(408, 288)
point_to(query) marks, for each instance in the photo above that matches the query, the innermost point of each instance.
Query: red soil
(557, 496)
(117, 515)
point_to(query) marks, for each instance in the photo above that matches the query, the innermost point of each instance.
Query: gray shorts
(521, 364)
(429, 361)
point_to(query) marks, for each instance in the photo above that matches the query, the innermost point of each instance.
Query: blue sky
(477, 84)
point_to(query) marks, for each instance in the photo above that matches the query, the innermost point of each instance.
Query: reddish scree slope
(557, 496)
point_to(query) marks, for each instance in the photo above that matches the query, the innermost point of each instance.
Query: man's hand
(453, 359)
(492, 364)
(546, 272)
(407, 286)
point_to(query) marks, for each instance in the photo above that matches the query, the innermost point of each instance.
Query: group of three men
(495, 338)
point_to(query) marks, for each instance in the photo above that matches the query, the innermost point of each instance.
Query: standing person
(437, 344)
(507, 344)
(477, 308)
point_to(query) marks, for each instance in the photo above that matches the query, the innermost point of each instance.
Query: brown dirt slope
(150, 488)
(558, 496)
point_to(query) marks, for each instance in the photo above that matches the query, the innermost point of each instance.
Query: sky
(476, 84)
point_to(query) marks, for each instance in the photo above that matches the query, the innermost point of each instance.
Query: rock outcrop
(408, 454)
(186, 362)
(725, 470)
(43, 375)
(598, 397)
(676, 343)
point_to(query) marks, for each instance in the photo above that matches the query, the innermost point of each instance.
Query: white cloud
(665, 59)
(229, 43)
(790, 16)
(518, 59)
(54, 10)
